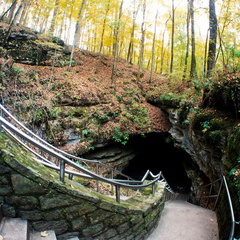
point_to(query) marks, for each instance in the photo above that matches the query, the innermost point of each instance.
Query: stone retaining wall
(33, 192)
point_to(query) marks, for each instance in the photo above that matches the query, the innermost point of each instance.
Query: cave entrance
(156, 152)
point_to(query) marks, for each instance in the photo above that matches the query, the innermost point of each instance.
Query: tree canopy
(174, 37)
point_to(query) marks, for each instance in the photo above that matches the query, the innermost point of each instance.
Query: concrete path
(181, 220)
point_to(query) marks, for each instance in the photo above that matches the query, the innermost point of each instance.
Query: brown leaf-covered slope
(82, 98)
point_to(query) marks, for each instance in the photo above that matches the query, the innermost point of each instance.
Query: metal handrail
(28, 131)
(223, 182)
(47, 148)
(231, 235)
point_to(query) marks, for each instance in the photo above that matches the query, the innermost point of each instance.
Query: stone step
(46, 235)
(14, 228)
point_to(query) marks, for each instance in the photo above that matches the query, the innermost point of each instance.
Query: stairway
(183, 220)
(18, 229)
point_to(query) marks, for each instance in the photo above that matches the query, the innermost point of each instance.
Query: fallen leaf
(44, 234)
(211, 220)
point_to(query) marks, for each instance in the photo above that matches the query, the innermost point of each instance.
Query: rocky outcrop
(27, 47)
(207, 159)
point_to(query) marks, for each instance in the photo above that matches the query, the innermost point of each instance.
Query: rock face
(26, 47)
(116, 156)
(206, 158)
(210, 162)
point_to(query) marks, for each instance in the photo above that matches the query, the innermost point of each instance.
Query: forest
(184, 39)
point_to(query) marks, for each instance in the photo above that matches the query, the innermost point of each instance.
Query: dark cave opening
(156, 153)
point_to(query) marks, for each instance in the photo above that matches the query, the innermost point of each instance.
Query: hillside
(46, 92)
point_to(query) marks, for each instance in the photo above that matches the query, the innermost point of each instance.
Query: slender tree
(77, 31)
(25, 8)
(163, 49)
(10, 9)
(212, 38)
(140, 69)
(116, 43)
(11, 25)
(187, 43)
(131, 43)
(193, 68)
(153, 46)
(104, 25)
(54, 18)
(172, 37)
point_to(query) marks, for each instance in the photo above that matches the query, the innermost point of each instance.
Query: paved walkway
(181, 220)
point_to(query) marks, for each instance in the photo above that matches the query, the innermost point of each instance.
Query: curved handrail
(61, 157)
(28, 131)
(223, 182)
(233, 224)
(39, 143)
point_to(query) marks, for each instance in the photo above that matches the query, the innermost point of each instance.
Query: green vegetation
(120, 137)
(233, 157)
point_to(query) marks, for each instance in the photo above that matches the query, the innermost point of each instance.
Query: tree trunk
(212, 38)
(172, 37)
(11, 11)
(205, 55)
(11, 24)
(163, 50)
(104, 26)
(153, 47)
(131, 43)
(140, 69)
(193, 70)
(76, 35)
(187, 44)
(54, 20)
(116, 44)
(11, 8)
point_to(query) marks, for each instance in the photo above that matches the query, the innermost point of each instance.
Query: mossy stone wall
(30, 191)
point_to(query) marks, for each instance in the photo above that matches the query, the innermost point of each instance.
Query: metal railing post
(231, 236)
(153, 188)
(218, 195)
(117, 193)
(70, 176)
(111, 184)
(62, 170)
(97, 182)
(210, 192)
